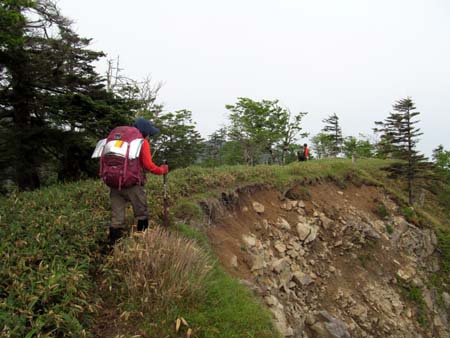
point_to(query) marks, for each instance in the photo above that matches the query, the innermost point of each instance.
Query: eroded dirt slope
(327, 264)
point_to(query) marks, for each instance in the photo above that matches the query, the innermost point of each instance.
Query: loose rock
(258, 207)
(234, 261)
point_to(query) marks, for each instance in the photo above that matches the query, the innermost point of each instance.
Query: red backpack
(120, 166)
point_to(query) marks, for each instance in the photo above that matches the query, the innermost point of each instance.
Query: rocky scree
(327, 266)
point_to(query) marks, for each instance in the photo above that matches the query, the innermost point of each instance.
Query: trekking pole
(165, 203)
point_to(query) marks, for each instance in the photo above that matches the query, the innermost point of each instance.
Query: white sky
(349, 57)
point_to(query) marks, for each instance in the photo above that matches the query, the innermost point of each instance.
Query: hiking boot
(142, 224)
(114, 235)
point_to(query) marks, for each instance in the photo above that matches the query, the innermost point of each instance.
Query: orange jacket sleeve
(146, 159)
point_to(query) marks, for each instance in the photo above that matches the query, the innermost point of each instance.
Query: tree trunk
(410, 189)
(27, 177)
(410, 161)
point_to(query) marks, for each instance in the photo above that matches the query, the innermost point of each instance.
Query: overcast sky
(354, 58)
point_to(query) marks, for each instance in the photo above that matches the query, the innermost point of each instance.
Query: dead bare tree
(145, 92)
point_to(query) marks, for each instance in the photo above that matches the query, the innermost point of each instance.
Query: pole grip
(165, 201)
(165, 175)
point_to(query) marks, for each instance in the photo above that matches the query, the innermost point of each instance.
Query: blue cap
(145, 127)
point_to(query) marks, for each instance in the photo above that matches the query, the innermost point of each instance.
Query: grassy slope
(50, 250)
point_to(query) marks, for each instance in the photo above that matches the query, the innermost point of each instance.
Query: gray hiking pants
(138, 198)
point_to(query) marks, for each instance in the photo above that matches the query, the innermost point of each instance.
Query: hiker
(125, 156)
(303, 153)
(306, 151)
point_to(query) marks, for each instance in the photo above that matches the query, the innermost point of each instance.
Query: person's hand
(165, 169)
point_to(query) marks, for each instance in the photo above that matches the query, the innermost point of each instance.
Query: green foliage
(187, 210)
(219, 150)
(231, 153)
(399, 133)
(227, 309)
(357, 147)
(50, 249)
(410, 214)
(224, 308)
(179, 142)
(389, 228)
(263, 127)
(414, 294)
(381, 210)
(365, 259)
(12, 23)
(51, 239)
(291, 153)
(443, 236)
(322, 145)
(442, 158)
(255, 124)
(53, 103)
(212, 150)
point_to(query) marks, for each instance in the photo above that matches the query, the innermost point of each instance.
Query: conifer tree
(333, 131)
(52, 102)
(399, 130)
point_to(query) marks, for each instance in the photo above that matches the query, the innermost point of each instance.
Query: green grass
(227, 309)
(364, 259)
(187, 210)
(389, 229)
(52, 238)
(381, 210)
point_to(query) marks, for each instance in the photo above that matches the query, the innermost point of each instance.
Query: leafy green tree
(334, 132)
(231, 153)
(291, 153)
(357, 147)
(179, 142)
(322, 145)
(290, 129)
(400, 131)
(212, 154)
(442, 158)
(263, 127)
(256, 125)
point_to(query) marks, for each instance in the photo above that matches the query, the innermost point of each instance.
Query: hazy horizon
(354, 58)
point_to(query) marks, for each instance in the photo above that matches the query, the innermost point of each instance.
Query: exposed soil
(353, 263)
(226, 233)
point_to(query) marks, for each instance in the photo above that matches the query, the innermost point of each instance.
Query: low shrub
(410, 215)
(187, 211)
(49, 253)
(381, 210)
(389, 229)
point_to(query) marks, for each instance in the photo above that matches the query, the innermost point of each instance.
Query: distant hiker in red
(124, 157)
(302, 154)
(306, 151)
